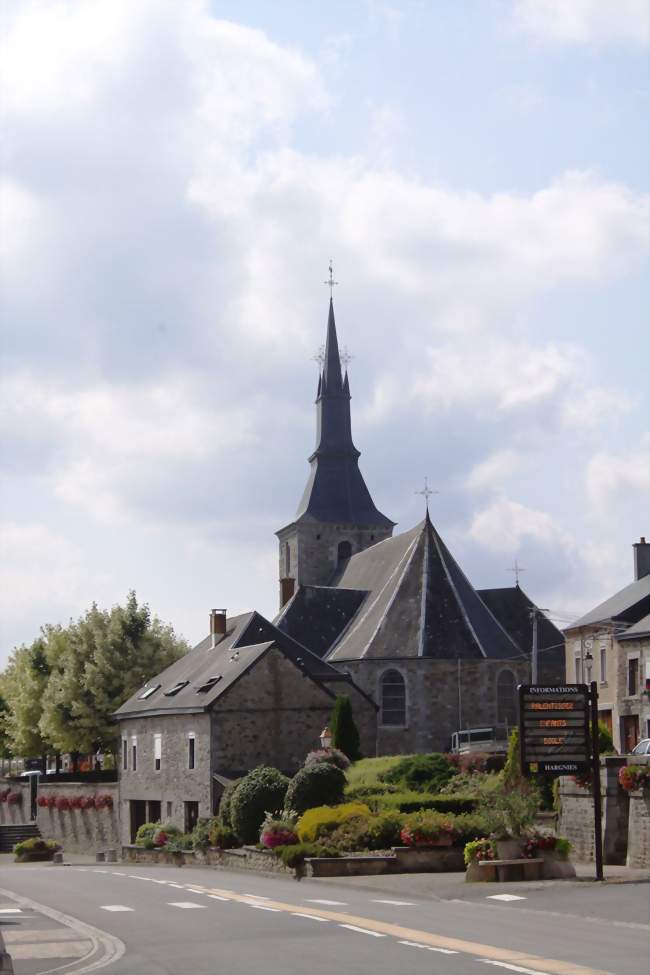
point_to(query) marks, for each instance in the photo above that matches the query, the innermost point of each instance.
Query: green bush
(36, 845)
(224, 802)
(605, 740)
(408, 802)
(562, 847)
(201, 833)
(145, 832)
(345, 734)
(320, 818)
(315, 785)
(223, 837)
(510, 813)
(469, 826)
(421, 773)
(479, 849)
(294, 856)
(384, 830)
(262, 790)
(351, 835)
(363, 792)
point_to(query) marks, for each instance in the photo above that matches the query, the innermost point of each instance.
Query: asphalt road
(145, 920)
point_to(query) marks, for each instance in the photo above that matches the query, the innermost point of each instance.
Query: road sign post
(558, 735)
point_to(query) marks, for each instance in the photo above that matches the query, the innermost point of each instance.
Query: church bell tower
(336, 517)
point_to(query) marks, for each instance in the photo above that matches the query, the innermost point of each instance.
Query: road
(143, 920)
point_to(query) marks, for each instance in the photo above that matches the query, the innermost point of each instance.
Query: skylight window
(148, 691)
(176, 688)
(208, 684)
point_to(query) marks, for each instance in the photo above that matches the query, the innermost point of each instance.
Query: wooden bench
(504, 871)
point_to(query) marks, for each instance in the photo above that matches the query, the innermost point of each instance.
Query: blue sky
(175, 180)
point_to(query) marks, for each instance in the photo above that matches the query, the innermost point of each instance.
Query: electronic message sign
(554, 729)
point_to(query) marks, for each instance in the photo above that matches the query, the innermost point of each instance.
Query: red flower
(62, 803)
(42, 801)
(87, 802)
(15, 798)
(160, 838)
(104, 801)
(76, 802)
(51, 801)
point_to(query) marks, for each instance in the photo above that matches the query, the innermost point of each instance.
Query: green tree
(23, 685)
(105, 657)
(345, 734)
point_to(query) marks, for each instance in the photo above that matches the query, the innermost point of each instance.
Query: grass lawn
(367, 771)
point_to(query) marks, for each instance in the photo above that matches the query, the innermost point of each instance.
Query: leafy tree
(345, 734)
(104, 658)
(23, 685)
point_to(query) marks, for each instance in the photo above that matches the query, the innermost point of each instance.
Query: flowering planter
(34, 857)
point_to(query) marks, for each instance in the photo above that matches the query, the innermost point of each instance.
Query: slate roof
(628, 605)
(248, 638)
(511, 606)
(316, 615)
(638, 630)
(418, 603)
(336, 491)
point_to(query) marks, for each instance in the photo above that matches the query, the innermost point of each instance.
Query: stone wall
(11, 814)
(433, 708)
(274, 716)
(174, 783)
(313, 548)
(80, 830)
(638, 848)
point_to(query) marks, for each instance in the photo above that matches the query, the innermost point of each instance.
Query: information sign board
(554, 729)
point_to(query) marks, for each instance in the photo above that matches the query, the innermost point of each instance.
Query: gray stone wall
(175, 783)
(434, 708)
(314, 548)
(638, 849)
(11, 814)
(274, 716)
(80, 830)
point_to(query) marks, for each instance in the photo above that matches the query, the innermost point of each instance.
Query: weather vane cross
(426, 492)
(330, 281)
(517, 569)
(346, 357)
(320, 356)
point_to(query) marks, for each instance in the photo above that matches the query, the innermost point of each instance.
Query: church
(390, 620)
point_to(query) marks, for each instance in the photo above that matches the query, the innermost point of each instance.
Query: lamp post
(326, 738)
(589, 660)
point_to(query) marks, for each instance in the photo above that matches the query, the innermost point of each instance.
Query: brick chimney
(641, 559)
(217, 626)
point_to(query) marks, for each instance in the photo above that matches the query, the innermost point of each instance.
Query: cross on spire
(319, 357)
(330, 281)
(346, 356)
(426, 492)
(517, 569)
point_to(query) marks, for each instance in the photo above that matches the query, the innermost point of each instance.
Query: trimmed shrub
(332, 755)
(224, 803)
(424, 829)
(328, 818)
(351, 835)
(409, 802)
(315, 785)
(262, 790)
(146, 832)
(384, 830)
(223, 837)
(345, 734)
(201, 833)
(421, 773)
(294, 856)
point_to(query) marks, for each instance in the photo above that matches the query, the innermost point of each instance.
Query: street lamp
(589, 659)
(326, 738)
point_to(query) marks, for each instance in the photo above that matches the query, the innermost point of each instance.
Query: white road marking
(136, 876)
(115, 907)
(315, 900)
(117, 873)
(512, 968)
(505, 897)
(415, 944)
(187, 905)
(263, 907)
(396, 903)
(257, 897)
(10, 910)
(217, 897)
(353, 927)
(178, 886)
(100, 871)
(312, 917)
(159, 881)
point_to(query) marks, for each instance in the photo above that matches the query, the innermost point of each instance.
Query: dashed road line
(416, 944)
(505, 897)
(312, 917)
(513, 968)
(395, 903)
(114, 907)
(218, 897)
(263, 907)
(178, 886)
(315, 900)
(353, 927)
(257, 897)
(187, 905)
(10, 910)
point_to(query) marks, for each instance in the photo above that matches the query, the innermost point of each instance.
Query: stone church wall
(274, 716)
(434, 707)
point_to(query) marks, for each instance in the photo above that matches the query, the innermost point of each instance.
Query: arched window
(344, 551)
(393, 699)
(506, 698)
(287, 559)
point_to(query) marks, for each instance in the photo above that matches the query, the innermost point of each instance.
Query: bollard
(99, 856)
(58, 857)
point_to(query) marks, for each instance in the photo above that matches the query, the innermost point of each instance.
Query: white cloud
(494, 470)
(612, 479)
(592, 407)
(504, 524)
(585, 21)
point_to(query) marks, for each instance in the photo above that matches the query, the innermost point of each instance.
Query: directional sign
(554, 729)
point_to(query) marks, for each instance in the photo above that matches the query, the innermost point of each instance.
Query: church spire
(332, 380)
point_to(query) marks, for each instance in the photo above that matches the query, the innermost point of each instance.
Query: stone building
(392, 621)
(612, 644)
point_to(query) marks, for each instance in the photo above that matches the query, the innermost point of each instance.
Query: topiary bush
(224, 803)
(262, 790)
(332, 755)
(294, 856)
(323, 818)
(421, 773)
(315, 785)
(223, 837)
(345, 734)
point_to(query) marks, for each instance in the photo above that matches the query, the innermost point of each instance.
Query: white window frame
(603, 663)
(191, 736)
(157, 751)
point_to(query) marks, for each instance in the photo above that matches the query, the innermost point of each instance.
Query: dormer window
(176, 688)
(208, 684)
(148, 691)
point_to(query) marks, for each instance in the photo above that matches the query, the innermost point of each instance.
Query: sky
(175, 179)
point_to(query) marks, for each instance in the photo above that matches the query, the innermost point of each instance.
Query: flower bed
(28, 851)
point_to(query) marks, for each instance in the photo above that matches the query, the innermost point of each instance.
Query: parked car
(643, 747)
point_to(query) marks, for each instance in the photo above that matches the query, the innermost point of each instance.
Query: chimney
(641, 559)
(217, 626)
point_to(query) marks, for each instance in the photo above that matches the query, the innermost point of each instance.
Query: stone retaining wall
(11, 814)
(638, 848)
(80, 830)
